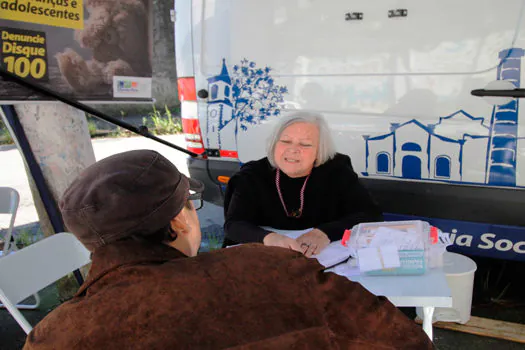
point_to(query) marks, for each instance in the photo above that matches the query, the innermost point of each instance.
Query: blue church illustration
(244, 97)
(413, 150)
(220, 122)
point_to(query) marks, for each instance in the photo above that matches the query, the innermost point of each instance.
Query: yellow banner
(24, 53)
(59, 13)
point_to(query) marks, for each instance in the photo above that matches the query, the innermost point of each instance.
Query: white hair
(325, 150)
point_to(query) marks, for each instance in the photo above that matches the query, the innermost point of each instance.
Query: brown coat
(247, 297)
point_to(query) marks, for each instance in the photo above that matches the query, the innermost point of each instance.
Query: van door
(377, 71)
(394, 81)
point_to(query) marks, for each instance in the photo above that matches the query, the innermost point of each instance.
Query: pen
(339, 263)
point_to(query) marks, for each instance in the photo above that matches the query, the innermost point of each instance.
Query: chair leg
(20, 319)
(28, 306)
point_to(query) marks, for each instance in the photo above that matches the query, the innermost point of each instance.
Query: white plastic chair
(9, 199)
(35, 267)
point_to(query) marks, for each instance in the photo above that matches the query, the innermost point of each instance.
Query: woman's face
(296, 149)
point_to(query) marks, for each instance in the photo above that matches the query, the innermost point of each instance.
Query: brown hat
(130, 193)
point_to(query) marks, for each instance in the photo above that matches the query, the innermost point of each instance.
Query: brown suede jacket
(144, 296)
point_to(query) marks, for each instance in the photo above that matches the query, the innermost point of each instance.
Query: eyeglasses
(196, 200)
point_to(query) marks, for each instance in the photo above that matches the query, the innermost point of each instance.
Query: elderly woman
(302, 183)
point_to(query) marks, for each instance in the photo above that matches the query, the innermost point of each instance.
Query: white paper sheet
(333, 254)
(378, 258)
(347, 270)
(369, 259)
(390, 256)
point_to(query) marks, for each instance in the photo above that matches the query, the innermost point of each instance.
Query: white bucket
(459, 271)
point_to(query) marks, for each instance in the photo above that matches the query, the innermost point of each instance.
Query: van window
(314, 37)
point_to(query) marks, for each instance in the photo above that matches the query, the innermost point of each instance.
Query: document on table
(378, 258)
(333, 254)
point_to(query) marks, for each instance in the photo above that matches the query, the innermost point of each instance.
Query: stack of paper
(382, 251)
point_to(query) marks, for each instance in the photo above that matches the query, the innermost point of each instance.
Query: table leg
(428, 312)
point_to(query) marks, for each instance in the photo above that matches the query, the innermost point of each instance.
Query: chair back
(9, 200)
(34, 267)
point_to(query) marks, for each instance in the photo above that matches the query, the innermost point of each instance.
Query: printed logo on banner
(131, 87)
(127, 86)
(59, 13)
(24, 53)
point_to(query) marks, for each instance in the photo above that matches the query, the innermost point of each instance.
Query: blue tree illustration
(256, 97)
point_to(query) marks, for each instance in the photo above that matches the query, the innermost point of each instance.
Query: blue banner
(478, 239)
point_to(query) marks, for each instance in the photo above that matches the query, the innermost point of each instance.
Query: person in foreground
(302, 183)
(147, 288)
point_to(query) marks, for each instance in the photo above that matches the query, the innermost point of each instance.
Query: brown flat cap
(130, 193)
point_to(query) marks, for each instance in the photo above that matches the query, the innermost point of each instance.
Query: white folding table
(428, 291)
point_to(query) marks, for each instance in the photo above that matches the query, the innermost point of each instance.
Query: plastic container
(413, 255)
(459, 271)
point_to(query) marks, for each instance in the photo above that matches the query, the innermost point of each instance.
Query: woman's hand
(277, 240)
(313, 242)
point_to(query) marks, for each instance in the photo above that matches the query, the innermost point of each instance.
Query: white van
(401, 84)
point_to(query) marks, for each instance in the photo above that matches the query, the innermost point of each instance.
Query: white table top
(428, 290)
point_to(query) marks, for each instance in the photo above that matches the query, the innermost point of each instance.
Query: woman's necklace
(296, 213)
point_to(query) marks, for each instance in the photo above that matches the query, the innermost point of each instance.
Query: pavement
(211, 217)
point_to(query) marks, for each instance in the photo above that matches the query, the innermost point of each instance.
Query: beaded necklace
(296, 213)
